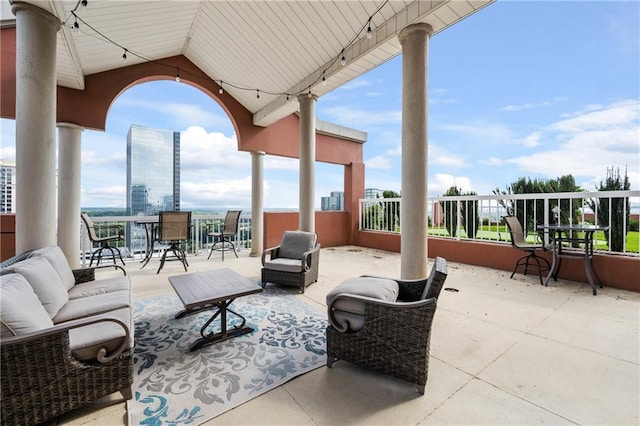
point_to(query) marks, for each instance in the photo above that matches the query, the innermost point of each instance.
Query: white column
(307, 161)
(35, 126)
(69, 166)
(413, 214)
(257, 205)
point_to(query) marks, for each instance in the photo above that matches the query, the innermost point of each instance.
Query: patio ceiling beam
(65, 41)
(361, 56)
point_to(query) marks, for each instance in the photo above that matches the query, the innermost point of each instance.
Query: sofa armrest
(84, 275)
(63, 329)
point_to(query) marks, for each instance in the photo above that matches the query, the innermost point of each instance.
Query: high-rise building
(153, 170)
(334, 202)
(7, 187)
(373, 193)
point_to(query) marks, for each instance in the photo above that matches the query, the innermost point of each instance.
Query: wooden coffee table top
(205, 288)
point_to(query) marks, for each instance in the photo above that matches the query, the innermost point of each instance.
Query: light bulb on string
(343, 61)
(309, 93)
(75, 26)
(124, 56)
(178, 75)
(257, 93)
(221, 90)
(369, 34)
(324, 79)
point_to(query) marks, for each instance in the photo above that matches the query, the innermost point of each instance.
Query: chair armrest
(84, 275)
(64, 328)
(383, 310)
(408, 290)
(308, 257)
(272, 251)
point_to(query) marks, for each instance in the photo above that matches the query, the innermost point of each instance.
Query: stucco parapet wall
(342, 132)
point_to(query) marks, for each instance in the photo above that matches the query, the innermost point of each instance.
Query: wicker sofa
(66, 337)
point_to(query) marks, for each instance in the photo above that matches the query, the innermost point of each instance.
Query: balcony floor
(502, 352)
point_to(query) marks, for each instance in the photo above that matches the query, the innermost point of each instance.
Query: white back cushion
(20, 309)
(44, 281)
(58, 260)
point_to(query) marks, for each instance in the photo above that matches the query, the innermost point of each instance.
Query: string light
(343, 60)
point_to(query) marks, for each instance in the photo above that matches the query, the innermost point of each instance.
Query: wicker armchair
(391, 337)
(294, 262)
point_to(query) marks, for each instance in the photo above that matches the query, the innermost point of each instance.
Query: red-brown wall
(7, 236)
(332, 227)
(614, 270)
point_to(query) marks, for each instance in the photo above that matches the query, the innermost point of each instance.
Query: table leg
(224, 334)
(554, 260)
(588, 262)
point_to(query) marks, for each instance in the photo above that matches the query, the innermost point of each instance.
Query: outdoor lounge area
(503, 351)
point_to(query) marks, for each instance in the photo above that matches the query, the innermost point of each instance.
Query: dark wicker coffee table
(213, 290)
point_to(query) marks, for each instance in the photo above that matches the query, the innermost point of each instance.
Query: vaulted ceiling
(280, 48)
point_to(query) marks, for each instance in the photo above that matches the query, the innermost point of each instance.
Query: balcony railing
(135, 243)
(480, 217)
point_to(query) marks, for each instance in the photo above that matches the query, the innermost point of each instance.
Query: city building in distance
(7, 186)
(333, 202)
(153, 170)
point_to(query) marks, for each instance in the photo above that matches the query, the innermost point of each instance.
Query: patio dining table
(565, 238)
(150, 224)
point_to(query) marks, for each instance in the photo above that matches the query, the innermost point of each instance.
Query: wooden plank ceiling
(279, 47)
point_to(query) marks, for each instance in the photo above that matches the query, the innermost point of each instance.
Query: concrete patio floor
(502, 352)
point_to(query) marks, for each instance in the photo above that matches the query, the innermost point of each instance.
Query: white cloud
(212, 153)
(529, 105)
(589, 143)
(532, 140)
(104, 196)
(443, 182)
(493, 161)
(182, 113)
(378, 162)
(359, 118)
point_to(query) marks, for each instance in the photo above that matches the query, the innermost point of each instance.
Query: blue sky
(538, 89)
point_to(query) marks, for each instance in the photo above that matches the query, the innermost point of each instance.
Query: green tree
(617, 213)
(391, 211)
(531, 212)
(469, 214)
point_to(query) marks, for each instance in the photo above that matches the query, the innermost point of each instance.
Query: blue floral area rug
(174, 386)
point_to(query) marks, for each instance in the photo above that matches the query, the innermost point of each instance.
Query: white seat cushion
(93, 305)
(20, 309)
(284, 264)
(106, 285)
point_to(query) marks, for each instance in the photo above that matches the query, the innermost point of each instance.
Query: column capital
(258, 153)
(421, 27)
(304, 97)
(70, 126)
(18, 6)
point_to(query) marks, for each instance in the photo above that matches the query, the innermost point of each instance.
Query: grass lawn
(501, 233)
